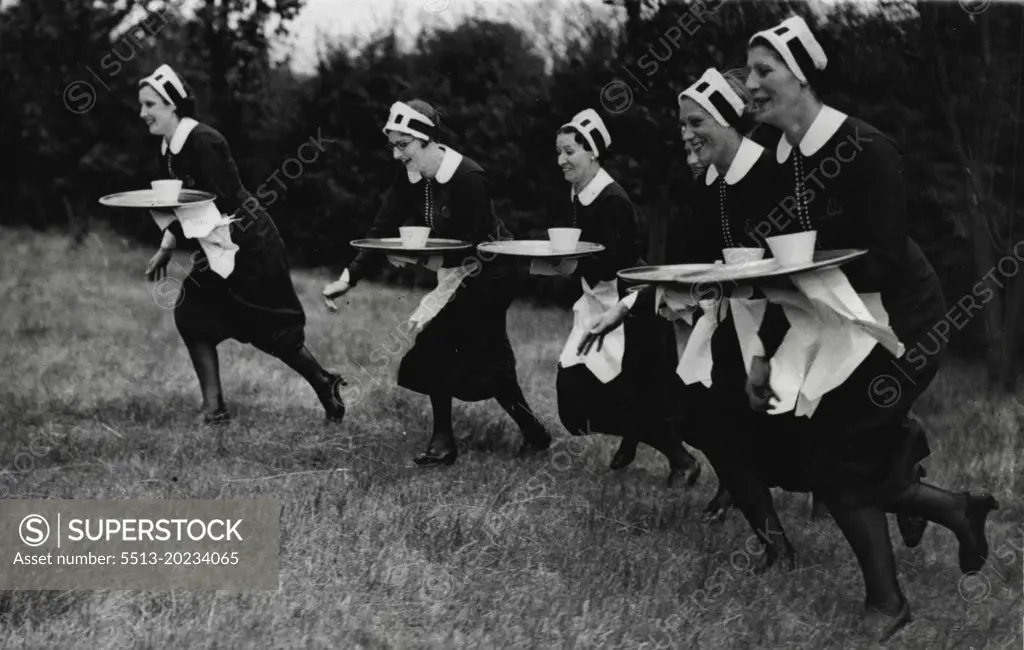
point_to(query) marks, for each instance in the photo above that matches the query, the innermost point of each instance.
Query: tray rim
(207, 197)
(489, 247)
(714, 272)
(446, 245)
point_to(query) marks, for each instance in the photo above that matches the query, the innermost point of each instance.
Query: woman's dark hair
(737, 81)
(184, 106)
(434, 115)
(821, 82)
(604, 154)
(577, 137)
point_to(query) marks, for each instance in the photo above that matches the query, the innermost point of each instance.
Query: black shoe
(536, 438)
(433, 457)
(974, 549)
(219, 417)
(624, 456)
(718, 506)
(334, 406)
(778, 560)
(687, 475)
(881, 626)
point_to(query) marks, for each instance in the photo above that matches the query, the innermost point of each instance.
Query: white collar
(449, 163)
(821, 131)
(185, 126)
(746, 157)
(601, 180)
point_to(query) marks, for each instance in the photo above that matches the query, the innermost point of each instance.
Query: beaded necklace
(428, 203)
(801, 203)
(723, 213)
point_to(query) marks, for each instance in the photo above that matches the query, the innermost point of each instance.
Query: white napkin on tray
(209, 227)
(606, 363)
(832, 331)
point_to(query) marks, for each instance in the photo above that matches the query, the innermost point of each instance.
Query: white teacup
(166, 190)
(797, 248)
(741, 255)
(414, 236)
(564, 239)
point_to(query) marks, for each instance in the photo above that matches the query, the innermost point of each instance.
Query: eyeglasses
(400, 146)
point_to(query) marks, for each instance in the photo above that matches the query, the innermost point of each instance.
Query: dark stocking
(204, 359)
(514, 403)
(443, 439)
(867, 531)
(963, 514)
(324, 383)
(755, 502)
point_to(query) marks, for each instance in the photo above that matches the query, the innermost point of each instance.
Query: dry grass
(493, 552)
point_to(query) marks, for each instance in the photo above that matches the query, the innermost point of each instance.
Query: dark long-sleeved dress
(256, 303)
(849, 180)
(724, 210)
(464, 351)
(585, 404)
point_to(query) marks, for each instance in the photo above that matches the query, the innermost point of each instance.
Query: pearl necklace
(801, 204)
(724, 214)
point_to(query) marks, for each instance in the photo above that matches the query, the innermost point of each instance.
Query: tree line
(943, 79)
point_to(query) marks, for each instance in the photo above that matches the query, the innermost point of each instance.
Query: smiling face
(575, 161)
(776, 90)
(704, 138)
(408, 150)
(158, 115)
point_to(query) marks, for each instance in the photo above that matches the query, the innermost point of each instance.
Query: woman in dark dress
(599, 400)
(734, 192)
(239, 286)
(859, 452)
(462, 351)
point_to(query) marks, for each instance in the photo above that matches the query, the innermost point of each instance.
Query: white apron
(210, 228)
(448, 281)
(605, 364)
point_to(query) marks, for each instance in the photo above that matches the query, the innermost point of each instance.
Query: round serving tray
(538, 249)
(394, 245)
(744, 271)
(146, 200)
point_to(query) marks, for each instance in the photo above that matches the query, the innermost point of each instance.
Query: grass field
(493, 552)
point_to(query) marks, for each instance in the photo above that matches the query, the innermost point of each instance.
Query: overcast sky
(333, 18)
(361, 17)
